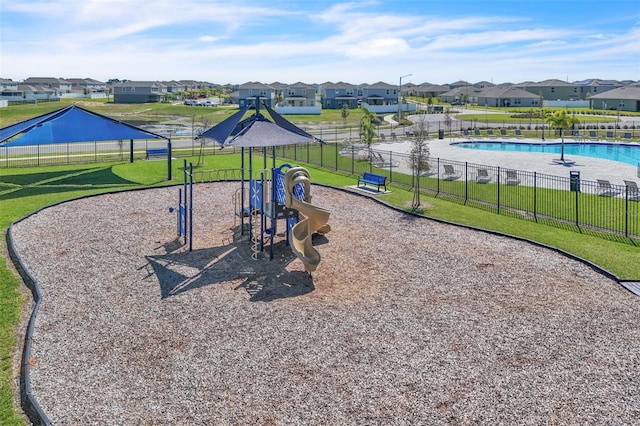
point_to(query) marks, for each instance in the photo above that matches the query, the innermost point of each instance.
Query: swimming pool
(623, 153)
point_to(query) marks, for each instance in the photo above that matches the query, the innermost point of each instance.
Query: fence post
(438, 171)
(626, 211)
(391, 167)
(577, 206)
(498, 179)
(352, 163)
(466, 182)
(535, 196)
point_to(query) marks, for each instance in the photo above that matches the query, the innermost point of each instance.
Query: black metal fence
(569, 202)
(604, 209)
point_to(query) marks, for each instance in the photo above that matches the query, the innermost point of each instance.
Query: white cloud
(225, 41)
(209, 39)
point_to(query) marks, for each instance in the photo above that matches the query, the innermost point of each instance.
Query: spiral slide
(314, 218)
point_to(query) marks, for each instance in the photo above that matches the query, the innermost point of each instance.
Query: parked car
(190, 102)
(207, 103)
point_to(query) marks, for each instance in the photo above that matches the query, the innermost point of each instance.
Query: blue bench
(157, 152)
(373, 179)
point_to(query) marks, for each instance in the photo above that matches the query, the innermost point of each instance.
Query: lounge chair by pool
(605, 189)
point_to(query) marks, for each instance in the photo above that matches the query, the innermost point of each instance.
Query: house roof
(381, 85)
(505, 92)
(130, 83)
(255, 85)
(553, 82)
(627, 92)
(70, 124)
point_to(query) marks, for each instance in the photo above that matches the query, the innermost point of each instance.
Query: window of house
(350, 92)
(133, 89)
(387, 91)
(621, 104)
(291, 92)
(304, 91)
(263, 92)
(553, 89)
(250, 91)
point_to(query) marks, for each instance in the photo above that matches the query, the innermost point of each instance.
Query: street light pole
(400, 98)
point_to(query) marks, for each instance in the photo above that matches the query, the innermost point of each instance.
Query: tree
(345, 112)
(448, 119)
(419, 157)
(367, 127)
(560, 120)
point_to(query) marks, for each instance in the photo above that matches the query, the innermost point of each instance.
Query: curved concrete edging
(30, 404)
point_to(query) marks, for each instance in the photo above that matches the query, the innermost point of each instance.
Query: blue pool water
(629, 154)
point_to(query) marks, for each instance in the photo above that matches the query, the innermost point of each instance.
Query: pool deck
(590, 168)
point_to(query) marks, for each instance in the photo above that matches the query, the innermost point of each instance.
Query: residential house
(173, 86)
(588, 88)
(8, 85)
(297, 98)
(625, 98)
(506, 96)
(27, 93)
(428, 90)
(136, 92)
(252, 90)
(338, 94)
(62, 86)
(464, 94)
(552, 90)
(88, 87)
(299, 94)
(380, 93)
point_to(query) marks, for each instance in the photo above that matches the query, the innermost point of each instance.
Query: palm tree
(367, 129)
(561, 120)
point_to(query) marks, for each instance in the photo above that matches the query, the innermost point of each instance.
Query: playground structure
(264, 198)
(274, 195)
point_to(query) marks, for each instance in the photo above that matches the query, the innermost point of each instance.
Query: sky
(237, 41)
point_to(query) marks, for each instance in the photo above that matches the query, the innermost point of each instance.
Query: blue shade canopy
(71, 124)
(221, 131)
(257, 130)
(262, 133)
